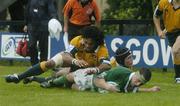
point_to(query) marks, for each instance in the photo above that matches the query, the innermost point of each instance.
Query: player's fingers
(83, 63)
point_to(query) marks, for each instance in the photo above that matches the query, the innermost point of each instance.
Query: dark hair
(83, 3)
(88, 0)
(120, 55)
(93, 33)
(146, 73)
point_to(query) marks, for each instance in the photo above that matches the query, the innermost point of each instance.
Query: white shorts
(83, 80)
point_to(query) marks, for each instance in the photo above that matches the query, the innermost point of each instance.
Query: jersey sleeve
(103, 55)
(161, 4)
(113, 62)
(67, 7)
(159, 8)
(73, 47)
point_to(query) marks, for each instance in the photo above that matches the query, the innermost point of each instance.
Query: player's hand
(113, 88)
(92, 70)
(162, 34)
(25, 28)
(79, 63)
(155, 89)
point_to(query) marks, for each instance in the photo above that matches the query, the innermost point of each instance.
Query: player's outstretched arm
(152, 89)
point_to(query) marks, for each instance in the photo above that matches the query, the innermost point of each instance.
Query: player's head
(92, 38)
(141, 77)
(85, 2)
(123, 57)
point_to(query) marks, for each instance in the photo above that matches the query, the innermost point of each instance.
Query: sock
(34, 70)
(50, 78)
(177, 71)
(39, 79)
(61, 81)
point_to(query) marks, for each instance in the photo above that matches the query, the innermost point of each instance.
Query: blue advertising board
(9, 42)
(148, 51)
(56, 45)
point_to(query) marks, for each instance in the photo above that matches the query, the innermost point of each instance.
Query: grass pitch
(33, 95)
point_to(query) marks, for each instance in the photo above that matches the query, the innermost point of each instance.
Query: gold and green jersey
(94, 59)
(171, 16)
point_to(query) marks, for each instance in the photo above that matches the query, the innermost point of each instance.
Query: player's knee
(175, 51)
(57, 60)
(50, 64)
(43, 65)
(70, 77)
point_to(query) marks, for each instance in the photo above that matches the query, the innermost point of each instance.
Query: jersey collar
(171, 2)
(128, 82)
(97, 49)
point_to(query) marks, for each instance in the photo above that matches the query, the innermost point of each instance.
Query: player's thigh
(82, 79)
(176, 46)
(176, 51)
(62, 71)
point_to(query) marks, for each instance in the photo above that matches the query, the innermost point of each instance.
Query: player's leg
(176, 55)
(43, 45)
(61, 72)
(36, 79)
(62, 81)
(78, 77)
(33, 46)
(37, 69)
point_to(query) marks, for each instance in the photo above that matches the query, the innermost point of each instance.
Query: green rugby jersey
(121, 76)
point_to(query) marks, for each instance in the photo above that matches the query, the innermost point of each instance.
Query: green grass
(33, 95)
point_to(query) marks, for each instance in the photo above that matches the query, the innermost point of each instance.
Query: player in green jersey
(125, 80)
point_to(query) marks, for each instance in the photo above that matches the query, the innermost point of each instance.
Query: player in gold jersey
(170, 9)
(85, 51)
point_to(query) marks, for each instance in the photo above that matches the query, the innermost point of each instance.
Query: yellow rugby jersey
(171, 16)
(94, 59)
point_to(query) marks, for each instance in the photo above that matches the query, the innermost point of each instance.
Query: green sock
(61, 81)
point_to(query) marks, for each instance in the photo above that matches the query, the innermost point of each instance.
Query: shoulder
(163, 3)
(102, 49)
(93, 3)
(71, 2)
(121, 69)
(76, 41)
